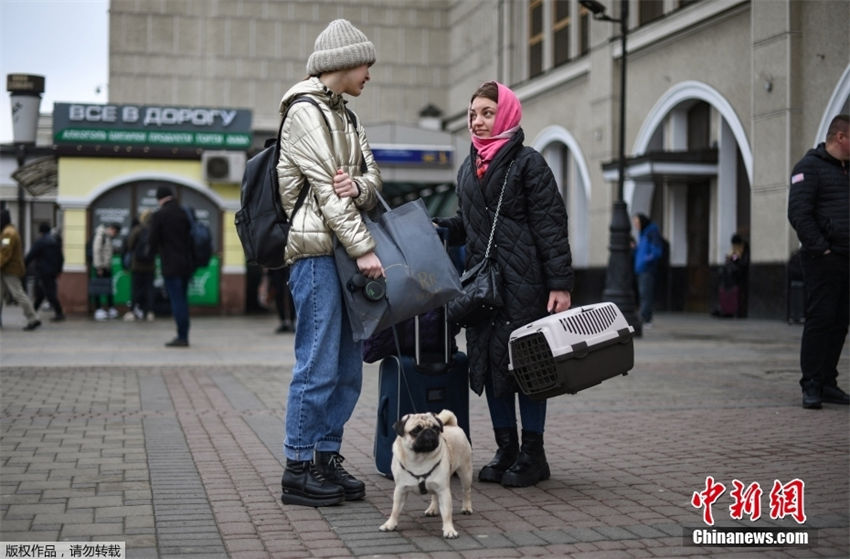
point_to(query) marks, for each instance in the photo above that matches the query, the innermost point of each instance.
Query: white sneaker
(138, 314)
(129, 316)
(100, 314)
(113, 313)
(150, 316)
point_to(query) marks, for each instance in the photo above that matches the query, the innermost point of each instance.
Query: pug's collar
(422, 478)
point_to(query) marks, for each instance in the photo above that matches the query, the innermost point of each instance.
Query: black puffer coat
(819, 202)
(530, 245)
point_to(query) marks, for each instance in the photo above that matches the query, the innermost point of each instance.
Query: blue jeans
(328, 373)
(503, 411)
(646, 292)
(178, 295)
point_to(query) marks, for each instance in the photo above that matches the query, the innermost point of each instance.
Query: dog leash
(402, 377)
(422, 478)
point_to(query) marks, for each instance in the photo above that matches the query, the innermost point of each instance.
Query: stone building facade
(722, 97)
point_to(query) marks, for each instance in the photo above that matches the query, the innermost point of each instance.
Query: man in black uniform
(819, 210)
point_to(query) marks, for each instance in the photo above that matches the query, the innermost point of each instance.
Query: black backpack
(142, 252)
(261, 223)
(202, 247)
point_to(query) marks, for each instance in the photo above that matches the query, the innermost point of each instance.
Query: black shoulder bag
(482, 284)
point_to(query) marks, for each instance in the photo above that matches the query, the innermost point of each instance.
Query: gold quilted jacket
(312, 151)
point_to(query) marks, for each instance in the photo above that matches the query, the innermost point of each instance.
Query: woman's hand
(559, 301)
(370, 265)
(344, 185)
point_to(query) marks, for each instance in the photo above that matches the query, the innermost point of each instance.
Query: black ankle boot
(812, 397)
(330, 465)
(303, 484)
(530, 466)
(507, 443)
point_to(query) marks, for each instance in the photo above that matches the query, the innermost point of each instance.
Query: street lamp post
(25, 95)
(620, 273)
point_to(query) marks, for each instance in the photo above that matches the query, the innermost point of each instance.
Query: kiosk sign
(161, 126)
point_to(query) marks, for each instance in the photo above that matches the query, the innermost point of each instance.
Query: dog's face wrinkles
(420, 431)
(425, 439)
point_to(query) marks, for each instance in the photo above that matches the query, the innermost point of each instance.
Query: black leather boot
(530, 466)
(330, 465)
(812, 396)
(834, 395)
(303, 484)
(507, 443)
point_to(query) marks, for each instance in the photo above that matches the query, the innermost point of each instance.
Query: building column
(727, 192)
(777, 117)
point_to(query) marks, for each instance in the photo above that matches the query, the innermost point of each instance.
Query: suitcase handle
(433, 369)
(383, 407)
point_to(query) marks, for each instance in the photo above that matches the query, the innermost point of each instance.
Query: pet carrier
(572, 350)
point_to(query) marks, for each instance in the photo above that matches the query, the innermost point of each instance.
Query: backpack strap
(306, 99)
(302, 195)
(352, 118)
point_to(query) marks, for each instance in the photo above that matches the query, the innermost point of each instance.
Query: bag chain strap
(498, 209)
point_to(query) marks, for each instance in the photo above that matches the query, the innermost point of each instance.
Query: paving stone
(91, 530)
(183, 458)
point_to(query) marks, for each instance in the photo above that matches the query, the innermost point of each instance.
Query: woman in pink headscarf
(532, 249)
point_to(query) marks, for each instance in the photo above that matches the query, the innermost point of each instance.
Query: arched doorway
(839, 103)
(692, 176)
(565, 158)
(124, 202)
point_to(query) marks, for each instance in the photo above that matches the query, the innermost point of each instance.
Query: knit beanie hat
(339, 47)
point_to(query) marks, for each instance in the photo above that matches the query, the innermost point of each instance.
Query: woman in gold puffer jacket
(312, 151)
(325, 150)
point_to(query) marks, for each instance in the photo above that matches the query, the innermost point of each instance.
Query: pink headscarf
(508, 115)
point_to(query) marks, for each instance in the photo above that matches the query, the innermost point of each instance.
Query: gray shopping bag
(420, 275)
(364, 313)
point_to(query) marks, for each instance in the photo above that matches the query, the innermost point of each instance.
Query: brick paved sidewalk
(108, 436)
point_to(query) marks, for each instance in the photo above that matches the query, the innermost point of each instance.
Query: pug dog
(429, 448)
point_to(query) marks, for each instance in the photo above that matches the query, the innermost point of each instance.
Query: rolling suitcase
(571, 350)
(418, 384)
(727, 299)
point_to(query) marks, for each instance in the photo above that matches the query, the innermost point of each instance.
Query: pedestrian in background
(324, 146)
(102, 251)
(532, 249)
(142, 270)
(278, 282)
(648, 253)
(819, 211)
(732, 286)
(46, 252)
(171, 239)
(12, 269)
